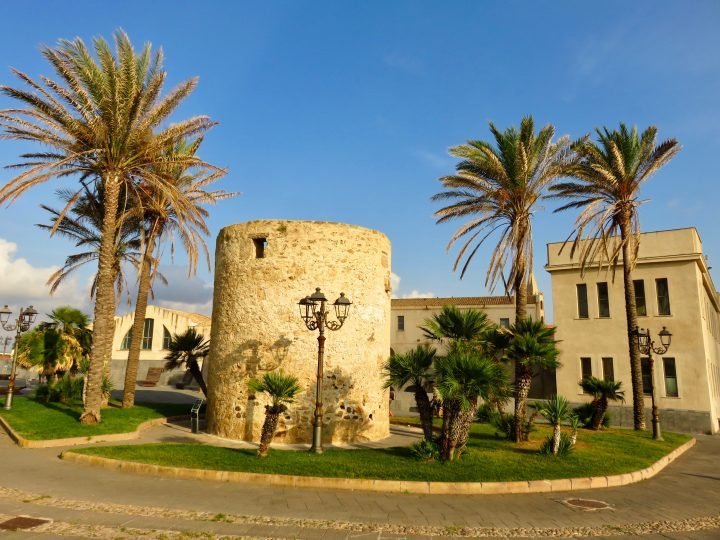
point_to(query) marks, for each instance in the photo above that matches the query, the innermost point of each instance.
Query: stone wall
(256, 328)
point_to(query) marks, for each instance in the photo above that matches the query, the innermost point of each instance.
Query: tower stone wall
(262, 269)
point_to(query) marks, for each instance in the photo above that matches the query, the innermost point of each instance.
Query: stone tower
(262, 270)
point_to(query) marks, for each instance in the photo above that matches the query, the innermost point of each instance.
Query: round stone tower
(262, 270)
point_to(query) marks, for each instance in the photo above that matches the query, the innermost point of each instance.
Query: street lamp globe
(307, 309)
(5, 314)
(665, 337)
(342, 307)
(28, 316)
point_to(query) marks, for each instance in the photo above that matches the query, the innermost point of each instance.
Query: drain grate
(587, 504)
(22, 522)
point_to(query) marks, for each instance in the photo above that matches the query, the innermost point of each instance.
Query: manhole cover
(587, 504)
(22, 522)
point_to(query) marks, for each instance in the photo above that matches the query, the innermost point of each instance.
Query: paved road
(108, 504)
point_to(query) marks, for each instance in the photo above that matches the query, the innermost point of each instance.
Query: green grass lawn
(487, 458)
(38, 421)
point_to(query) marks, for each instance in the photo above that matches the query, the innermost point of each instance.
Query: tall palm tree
(103, 120)
(186, 349)
(497, 187)
(281, 389)
(556, 410)
(82, 224)
(532, 348)
(161, 221)
(606, 190)
(463, 376)
(603, 392)
(413, 367)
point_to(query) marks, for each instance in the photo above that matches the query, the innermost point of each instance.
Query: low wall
(168, 378)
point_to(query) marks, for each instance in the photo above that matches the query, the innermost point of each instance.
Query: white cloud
(183, 293)
(22, 284)
(395, 284)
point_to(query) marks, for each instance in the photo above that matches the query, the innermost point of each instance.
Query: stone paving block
(580, 483)
(540, 486)
(562, 484)
(598, 482)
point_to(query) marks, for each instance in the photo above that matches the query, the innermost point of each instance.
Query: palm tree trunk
(556, 439)
(519, 284)
(467, 417)
(426, 416)
(523, 379)
(631, 317)
(104, 323)
(136, 334)
(449, 438)
(197, 374)
(272, 416)
(600, 411)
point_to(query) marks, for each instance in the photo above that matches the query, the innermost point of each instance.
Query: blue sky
(344, 111)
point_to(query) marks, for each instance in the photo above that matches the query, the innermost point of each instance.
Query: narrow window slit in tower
(260, 245)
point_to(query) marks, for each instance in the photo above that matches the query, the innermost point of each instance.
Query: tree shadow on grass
(69, 410)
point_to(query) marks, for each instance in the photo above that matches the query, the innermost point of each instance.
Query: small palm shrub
(505, 425)
(585, 413)
(565, 446)
(425, 450)
(281, 389)
(574, 425)
(603, 392)
(555, 410)
(484, 413)
(67, 389)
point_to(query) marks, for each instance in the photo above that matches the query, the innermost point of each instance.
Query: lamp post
(22, 324)
(647, 347)
(314, 313)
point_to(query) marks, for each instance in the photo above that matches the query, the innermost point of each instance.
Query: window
(147, 334)
(582, 300)
(663, 296)
(608, 369)
(586, 368)
(260, 245)
(603, 300)
(646, 376)
(125, 345)
(671, 386)
(505, 323)
(401, 323)
(640, 297)
(167, 338)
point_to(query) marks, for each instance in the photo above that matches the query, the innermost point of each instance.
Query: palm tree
(457, 325)
(496, 188)
(603, 391)
(556, 410)
(281, 389)
(606, 189)
(413, 367)
(185, 349)
(103, 120)
(532, 348)
(82, 224)
(162, 220)
(463, 376)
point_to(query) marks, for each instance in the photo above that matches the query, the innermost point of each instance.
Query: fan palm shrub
(185, 350)
(413, 367)
(162, 220)
(102, 120)
(462, 378)
(532, 348)
(453, 325)
(496, 188)
(603, 392)
(281, 389)
(556, 410)
(606, 191)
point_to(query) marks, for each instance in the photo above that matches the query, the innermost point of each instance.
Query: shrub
(505, 425)
(67, 389)
(484, 413)
(564, 448)
(585, 413)
(425, 450)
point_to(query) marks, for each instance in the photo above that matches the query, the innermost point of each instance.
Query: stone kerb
(389, 486)
(262, 269)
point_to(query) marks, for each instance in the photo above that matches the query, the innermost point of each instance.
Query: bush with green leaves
(564, 447)
(281, 389)
(585, 413)
(505, 424)
(425, 450)
(67, 389)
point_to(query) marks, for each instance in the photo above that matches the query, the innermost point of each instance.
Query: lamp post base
(657, 433)
(316, 447)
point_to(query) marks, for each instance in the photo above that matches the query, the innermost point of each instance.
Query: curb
(75, 441)
(387, 486)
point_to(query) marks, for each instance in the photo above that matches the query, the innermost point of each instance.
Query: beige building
(410, 314)
(673, 289)
(160, 324)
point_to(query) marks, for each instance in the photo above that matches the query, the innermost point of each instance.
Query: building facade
(160, 324)
(673, 289)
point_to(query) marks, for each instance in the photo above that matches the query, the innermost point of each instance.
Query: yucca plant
(413, 367)
(555, 410)
(186, 349)
(281, 389)
(603, 392)
(574, 426)
(532, 348)
(606, 191)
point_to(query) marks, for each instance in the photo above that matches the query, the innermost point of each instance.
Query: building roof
(198, 318)
(459, 301)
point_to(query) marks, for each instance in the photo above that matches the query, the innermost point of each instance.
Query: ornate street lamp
(22, 324)
(314, 313)
(647, 347)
